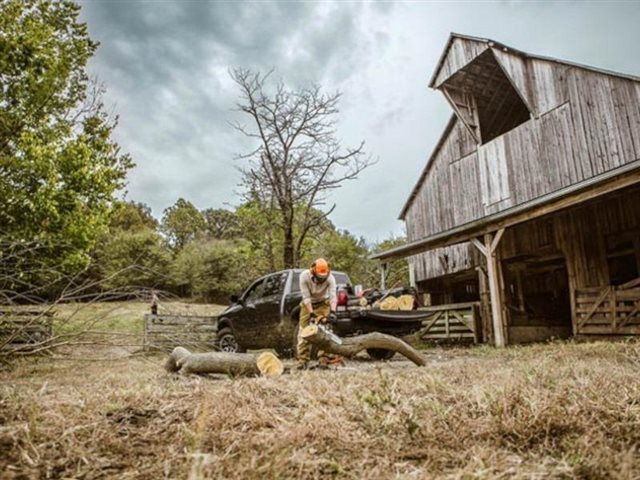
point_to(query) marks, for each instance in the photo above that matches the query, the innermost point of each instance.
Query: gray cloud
(165, 65)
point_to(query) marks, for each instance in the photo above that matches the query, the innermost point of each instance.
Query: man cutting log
(319, 300)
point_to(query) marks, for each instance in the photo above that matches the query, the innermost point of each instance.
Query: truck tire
(380, 353)
(226, 341)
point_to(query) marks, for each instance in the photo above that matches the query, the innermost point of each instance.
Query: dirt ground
(559, 410)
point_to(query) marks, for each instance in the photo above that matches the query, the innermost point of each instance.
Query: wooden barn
(530, 201)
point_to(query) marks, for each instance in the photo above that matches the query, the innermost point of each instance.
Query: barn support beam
(494, 273)
(384, 273)
(412, 275)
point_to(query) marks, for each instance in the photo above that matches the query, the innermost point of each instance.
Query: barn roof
(501, 46)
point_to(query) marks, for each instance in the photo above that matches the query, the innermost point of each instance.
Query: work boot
(323, 363)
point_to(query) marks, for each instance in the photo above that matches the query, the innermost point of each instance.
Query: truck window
(255, 291)
(274, 284)
(295, 282)
(341, 279)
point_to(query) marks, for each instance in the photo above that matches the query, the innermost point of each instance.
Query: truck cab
(266, 314)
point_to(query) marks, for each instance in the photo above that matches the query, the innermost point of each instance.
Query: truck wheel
(380, 353)
(227, 341)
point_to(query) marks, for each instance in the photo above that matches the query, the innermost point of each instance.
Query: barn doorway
(538, 299)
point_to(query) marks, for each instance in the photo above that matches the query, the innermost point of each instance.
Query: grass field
(560, 410)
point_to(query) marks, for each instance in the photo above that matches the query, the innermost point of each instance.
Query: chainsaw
(320, 322)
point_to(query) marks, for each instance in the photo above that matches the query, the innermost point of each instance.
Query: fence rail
(164, 332)
(25, 329)
(458, 321)
(608, 310)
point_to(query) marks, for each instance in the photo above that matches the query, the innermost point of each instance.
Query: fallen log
(236, 364)
(350, 346)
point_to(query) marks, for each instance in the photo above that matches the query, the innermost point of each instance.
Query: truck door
(269, 311)
(246, 317)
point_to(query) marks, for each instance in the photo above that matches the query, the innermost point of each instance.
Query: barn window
(484, 98)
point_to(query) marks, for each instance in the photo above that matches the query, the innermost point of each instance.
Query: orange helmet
(320, 269)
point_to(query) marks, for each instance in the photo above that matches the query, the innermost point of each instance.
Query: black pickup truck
(266, 316)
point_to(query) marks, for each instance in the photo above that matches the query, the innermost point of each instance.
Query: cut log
(350, 346)
(176, 356)
(236, 364)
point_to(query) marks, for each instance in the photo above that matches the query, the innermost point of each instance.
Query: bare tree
(298, 159)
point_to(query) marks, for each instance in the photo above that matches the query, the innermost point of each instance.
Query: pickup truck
(266, 316)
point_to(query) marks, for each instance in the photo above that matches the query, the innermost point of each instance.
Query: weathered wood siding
(581, 234)
(586, 123)
(445, 261)
(578, 234)
(424, 215)
(549, 87)
(459, 54)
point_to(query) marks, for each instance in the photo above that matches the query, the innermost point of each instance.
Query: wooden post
(412, 274)
(145, 339)
(489, 250)
(494, 291)
(485, 305)
(384, 271)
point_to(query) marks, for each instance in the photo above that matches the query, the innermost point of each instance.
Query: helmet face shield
(320, 270)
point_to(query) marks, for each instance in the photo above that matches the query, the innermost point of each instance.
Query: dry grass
(124, 316)
(546, 411)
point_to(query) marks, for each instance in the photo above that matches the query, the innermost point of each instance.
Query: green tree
(221, 224)
(398, 273)
(209, 270)
(132, 216)
(346, 253)
(133, 259)
(59, 168)
(181, 223)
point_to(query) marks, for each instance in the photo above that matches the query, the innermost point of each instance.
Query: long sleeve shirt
(313, 292)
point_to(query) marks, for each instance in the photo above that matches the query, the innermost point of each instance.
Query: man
(319, 300)
(154, 302)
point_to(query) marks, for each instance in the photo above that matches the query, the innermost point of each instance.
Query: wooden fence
(165, 332)
(23, 330)
(608, 310)
(459, 321)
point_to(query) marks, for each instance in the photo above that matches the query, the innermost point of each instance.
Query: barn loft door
(484, 98)
(494, 176)
(464, 104)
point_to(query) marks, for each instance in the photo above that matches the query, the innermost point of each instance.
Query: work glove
(332, 318)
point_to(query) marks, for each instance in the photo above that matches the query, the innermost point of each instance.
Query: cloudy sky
(165, 66)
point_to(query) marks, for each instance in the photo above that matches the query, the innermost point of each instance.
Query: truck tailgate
(392, 315)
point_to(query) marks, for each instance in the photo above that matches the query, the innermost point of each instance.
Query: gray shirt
(316, 292)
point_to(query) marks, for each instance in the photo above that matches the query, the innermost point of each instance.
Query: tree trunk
(235, 364)
(289, 254)
(350, 346)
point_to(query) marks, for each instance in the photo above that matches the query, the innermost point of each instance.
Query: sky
(165, 66)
